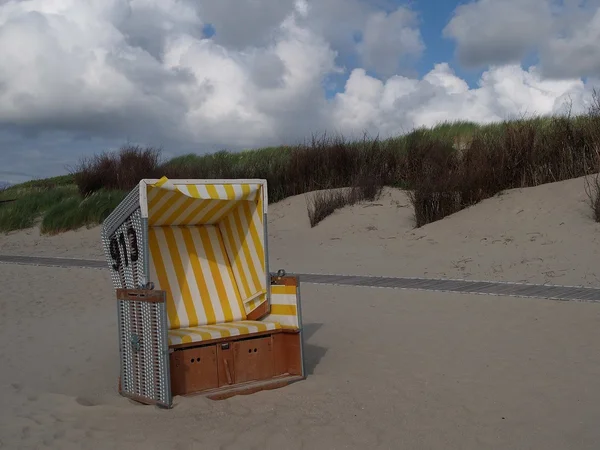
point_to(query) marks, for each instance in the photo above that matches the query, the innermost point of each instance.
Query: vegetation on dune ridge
(445, 169)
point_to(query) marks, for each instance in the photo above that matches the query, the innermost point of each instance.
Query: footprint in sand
(85, 402)
(534, 236)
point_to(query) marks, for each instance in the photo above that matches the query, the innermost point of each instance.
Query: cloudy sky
(81, 76)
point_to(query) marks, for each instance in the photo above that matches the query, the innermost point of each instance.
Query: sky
(81, 77)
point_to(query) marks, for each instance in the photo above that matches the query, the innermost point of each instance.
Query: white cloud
(301, 7)
(402, 103)
(388, 38)
(72, 69)
(88, 75)
(498, 31)
(575, 51)
(564, 34)
(240, 24)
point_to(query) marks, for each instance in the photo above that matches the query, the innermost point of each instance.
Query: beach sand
(544, 234)
(387, 369)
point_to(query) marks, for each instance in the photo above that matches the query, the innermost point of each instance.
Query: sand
(84, 243)
(387, 369)
(544, 234)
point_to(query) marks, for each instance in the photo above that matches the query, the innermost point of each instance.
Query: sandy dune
(540, 235)
(84, 243)
(387, 369)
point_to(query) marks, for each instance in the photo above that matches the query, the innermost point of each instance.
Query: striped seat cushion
(209, 332)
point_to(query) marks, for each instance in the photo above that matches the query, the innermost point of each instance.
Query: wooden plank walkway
(497, 288)
(524, 290)
(55, 262)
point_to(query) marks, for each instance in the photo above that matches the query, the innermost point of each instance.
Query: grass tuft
(592, 189)
(322, 204)
(30, 205)
(515, 154)
(73, 213)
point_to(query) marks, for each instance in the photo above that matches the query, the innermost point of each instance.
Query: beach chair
(198, 310)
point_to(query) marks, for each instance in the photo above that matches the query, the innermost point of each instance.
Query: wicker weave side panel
(144, 352)
(123, 210)
(125, 251)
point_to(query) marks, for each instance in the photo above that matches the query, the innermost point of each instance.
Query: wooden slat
(252, 387)
(225, 339)
(287, 352)
(261, 311)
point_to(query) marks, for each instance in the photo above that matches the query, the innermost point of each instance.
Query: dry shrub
(432, 173)
(594, 109)
(441, 180)
(322, 204)
(329, 163)
(431, 205)
(592, 189)
(120, 170)
(592, 179)
(514, 154)
(324, 162)
(592, 182)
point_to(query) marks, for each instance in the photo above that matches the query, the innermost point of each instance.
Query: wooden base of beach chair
(237, 365)
(252, 387)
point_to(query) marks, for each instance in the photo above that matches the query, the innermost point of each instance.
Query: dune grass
(518, 154)
(30, 204)
(592, 190)
(72, 213)
(444, 168)
(321, 204)
(56, 204)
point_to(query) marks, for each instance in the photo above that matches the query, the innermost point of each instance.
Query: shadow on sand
(312, 353)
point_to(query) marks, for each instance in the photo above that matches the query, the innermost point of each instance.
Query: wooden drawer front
(194, 369)
(253, 359)
(287, 354)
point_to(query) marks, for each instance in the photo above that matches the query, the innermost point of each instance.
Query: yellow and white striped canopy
(196, 202)
(207, 248)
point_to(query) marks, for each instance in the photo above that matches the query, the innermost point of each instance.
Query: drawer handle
(227, 372)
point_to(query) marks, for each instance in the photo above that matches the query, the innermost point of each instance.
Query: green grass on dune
(501, 155)
(73, 212)
(18, 190)
(31, 203)
(448, 130)
(58, 209)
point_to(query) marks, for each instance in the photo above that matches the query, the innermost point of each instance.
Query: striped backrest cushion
(243, 235)
(236, 208)
(191, 264)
